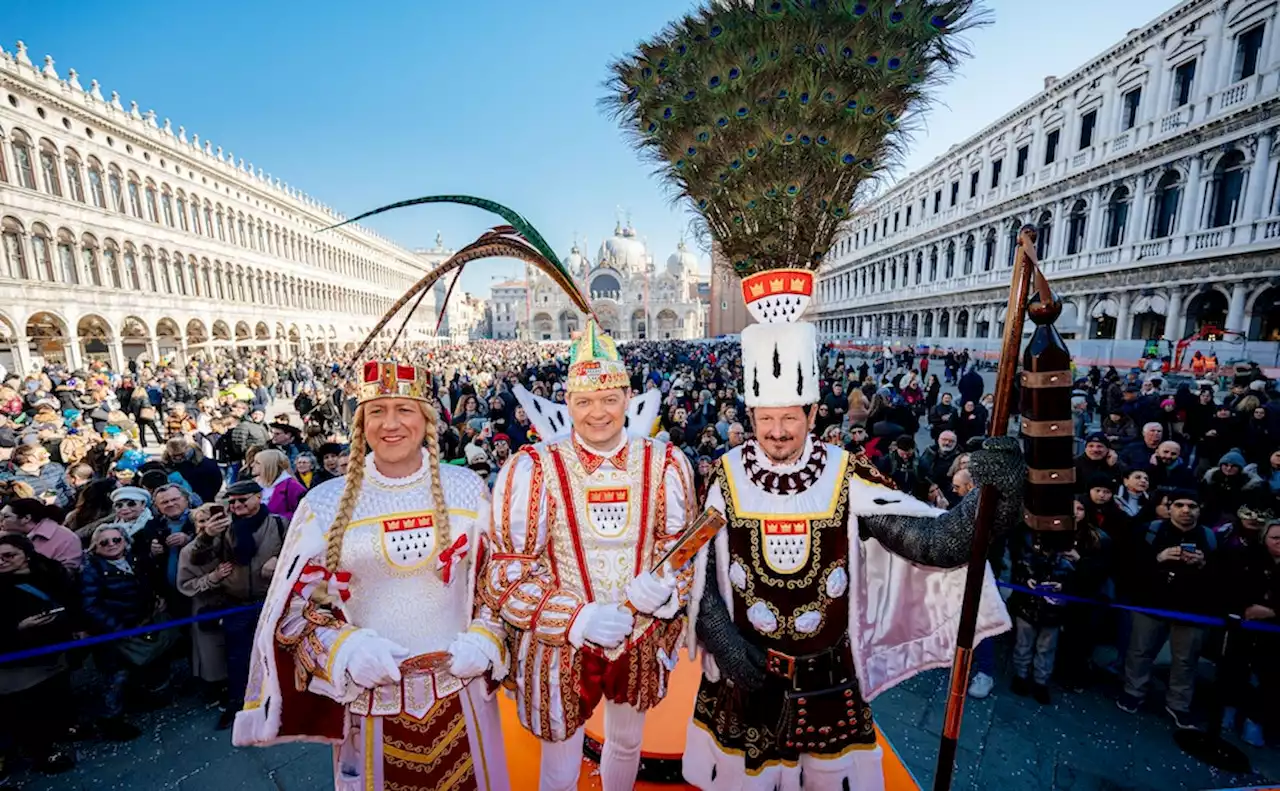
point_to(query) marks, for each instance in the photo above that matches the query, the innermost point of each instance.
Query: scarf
(242, 530)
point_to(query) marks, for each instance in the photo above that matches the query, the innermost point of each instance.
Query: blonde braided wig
(355, 481)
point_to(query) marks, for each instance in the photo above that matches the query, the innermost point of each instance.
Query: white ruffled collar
(371, 473)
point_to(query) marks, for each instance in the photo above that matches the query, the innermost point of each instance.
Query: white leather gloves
(470, 658)
(654, 595)
(374, 660)
(606, 625)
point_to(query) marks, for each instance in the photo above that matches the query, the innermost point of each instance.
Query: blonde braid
(346, 505)
(443, 537)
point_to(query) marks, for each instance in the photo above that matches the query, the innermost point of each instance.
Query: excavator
(1209, 333)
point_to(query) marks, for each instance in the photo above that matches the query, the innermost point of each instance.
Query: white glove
(469, 660)
(648, 593)
(606, 625)
(375, 661)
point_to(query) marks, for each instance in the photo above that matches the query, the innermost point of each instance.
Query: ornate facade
(634, 298)
(124, 237)
(1150, 174)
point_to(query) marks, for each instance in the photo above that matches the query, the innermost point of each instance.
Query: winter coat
(113, 599)
(205, 478)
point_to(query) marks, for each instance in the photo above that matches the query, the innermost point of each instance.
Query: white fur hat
(780, 364)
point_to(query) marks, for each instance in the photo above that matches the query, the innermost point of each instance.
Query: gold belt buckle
(426, 663)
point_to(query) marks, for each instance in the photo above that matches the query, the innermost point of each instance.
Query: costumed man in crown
(826, 586)
(580, 519)
(369, 634)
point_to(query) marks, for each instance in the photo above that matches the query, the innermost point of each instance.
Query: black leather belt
(820, 670)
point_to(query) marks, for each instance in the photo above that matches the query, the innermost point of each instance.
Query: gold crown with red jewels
(389, 379)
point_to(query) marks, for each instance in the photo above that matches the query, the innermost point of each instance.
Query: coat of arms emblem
(409, 541)
(786, 544)
(609, 510)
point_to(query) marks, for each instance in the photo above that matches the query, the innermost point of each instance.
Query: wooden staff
(1047, 431)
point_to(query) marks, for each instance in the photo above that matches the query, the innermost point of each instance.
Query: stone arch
(1208, 307)
(50, 337)
(639, 325)
(94, 333)
(135, 337)
(11, 356)
(568, 324)
(221, 331)
(197, 332)
(668, 324)
(1264, 311)
(543, 326)
(261, 331)
(242, 331)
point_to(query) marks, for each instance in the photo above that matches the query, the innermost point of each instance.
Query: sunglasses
(111, 542)
(240, 500)
(127, 503)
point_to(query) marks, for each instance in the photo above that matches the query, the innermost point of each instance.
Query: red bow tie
(591, 461)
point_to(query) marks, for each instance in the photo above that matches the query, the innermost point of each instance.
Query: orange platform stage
(664, 734)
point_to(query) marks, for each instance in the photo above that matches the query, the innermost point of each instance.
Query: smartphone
(1190, 548)
(216, 511)
(55, 611)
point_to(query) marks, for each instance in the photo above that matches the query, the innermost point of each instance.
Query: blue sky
(361, 104)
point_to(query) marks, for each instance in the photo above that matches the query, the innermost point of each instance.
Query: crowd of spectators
(1177, 510)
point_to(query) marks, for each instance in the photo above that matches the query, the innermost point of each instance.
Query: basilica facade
(634, 297)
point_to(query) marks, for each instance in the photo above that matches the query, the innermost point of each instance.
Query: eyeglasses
(111, 542)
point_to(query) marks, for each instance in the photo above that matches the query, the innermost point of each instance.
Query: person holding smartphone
(1174, 560)
(205, 569)
(37, 608)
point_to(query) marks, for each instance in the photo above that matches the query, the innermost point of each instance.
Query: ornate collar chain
(775, 482)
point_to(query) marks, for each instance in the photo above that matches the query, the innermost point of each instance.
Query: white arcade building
(1150, 173)
(122, 236)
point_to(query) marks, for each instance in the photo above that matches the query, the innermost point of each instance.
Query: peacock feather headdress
(770, 115)
(518, 240)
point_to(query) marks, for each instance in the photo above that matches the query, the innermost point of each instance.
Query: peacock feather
(501, 242)
(518, 222)
(770, 116)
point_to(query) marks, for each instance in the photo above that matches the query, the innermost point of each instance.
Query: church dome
(575, 262)
(623, 250)
(682, 261)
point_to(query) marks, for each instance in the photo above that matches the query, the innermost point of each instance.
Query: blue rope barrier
(58, 648)
(1203, 620)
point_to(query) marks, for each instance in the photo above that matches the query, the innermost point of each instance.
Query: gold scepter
(1048, 444)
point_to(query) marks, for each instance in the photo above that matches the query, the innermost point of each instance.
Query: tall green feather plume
(523, 226)
(769, 115)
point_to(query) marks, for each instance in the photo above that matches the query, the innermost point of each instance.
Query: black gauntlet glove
(1000, 463)
(739, 661)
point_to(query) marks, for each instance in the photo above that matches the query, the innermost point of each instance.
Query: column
(153, 347)
(1189, 211)
(1173, 315)
(1259, 175)
(1209, 75)
(1235, 311)
(22, 354)
(1082, 315)
(72, 347)
(1093, 231)
(1122, 317)
(1002, 244)
(993, 327)
(1137, 230)
(182, 357)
